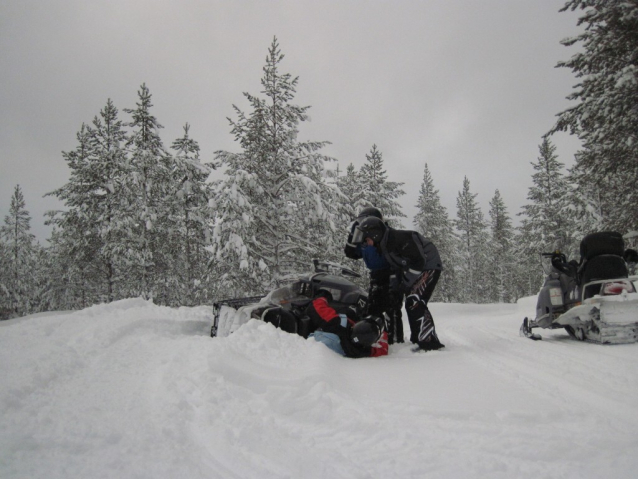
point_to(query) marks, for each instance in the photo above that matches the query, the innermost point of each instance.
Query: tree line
(142, 219)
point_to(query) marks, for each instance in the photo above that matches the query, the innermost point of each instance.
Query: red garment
(380, 348)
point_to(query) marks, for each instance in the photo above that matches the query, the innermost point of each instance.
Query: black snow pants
(422, 331)
(381, 299)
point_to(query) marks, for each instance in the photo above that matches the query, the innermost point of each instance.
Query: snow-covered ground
(133, 390)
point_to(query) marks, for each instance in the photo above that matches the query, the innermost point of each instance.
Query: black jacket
(409, 255)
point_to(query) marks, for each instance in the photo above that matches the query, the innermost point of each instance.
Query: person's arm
(352, 250)
(326, 318)
(407, 254)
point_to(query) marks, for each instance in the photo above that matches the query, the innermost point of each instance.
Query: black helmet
(373, 228)
(370, 211)
(365, 333)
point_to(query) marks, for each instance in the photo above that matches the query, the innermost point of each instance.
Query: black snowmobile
(593, 300)
(284, 306)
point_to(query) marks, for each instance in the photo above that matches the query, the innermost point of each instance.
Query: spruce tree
(93, 228)
(378, 191)
(501, 265)
(192, 219)
(21, 249)
(352, 203)
(6, 304)
(472, 230)
(109, 170)
(75, 242)
(147, 196)
(547, 220)
(432, 221)
(354, 191)
(605, 117)
(274, 210)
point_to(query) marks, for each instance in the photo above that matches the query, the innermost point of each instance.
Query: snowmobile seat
(601, 256)
(604, 242)
(605, 266)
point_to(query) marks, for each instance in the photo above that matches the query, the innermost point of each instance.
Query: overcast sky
(467, 86)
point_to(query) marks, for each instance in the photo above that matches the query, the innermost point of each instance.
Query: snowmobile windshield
(283, 294)
(546, 263)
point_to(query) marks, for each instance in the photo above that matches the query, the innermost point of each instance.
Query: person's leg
(422, 330)
(380, 302)
(395, 305)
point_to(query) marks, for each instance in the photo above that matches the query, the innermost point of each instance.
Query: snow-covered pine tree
(108, 170)
(63, 288)
(502, 266)
(352, 203)
(274, 210)
(472, 230)
(148, 197)
(547, 221)
(91, 235)
(433, 222)
(351, 185)
(193, 268)
(586, 202)
(597, 204)
(605, 117)
(6, 309)
(378, 191)
(21, 248)
(75, 241)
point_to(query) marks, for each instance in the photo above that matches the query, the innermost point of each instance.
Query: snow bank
(131, 389)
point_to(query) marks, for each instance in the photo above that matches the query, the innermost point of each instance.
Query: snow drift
(134, 390)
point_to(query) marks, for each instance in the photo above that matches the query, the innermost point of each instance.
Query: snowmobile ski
(526, 331)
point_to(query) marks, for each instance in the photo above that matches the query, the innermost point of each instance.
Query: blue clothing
(329, 339)
(373, 259)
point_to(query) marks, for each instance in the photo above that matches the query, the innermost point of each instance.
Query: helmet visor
(358, 236)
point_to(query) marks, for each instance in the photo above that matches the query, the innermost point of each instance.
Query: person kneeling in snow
(362, 339)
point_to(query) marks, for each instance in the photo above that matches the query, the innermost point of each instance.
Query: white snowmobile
(594, 300)
(284, 306)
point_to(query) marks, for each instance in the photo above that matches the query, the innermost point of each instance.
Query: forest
(142, 218)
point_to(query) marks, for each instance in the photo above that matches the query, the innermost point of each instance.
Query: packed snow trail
(133, 390)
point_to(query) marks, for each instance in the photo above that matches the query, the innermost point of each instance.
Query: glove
(399, 282)
(409, 278)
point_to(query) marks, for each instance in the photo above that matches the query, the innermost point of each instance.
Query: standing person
(381, 299)
(415, 267)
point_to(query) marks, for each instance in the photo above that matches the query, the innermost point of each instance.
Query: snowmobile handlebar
(326, 267)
